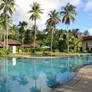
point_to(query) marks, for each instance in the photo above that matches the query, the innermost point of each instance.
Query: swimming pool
(34, 75)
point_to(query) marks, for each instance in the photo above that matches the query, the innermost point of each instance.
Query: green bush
(72, 50)
(2, 52)
(39, 49)
(9, 50)
(65, 50)
(56, 50)
(85, 51)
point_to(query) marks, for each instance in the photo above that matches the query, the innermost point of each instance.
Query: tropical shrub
(2, 52)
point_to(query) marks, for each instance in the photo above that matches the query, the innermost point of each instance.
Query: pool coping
(46, 57)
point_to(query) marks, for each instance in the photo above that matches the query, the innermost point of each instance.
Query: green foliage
(39, 49)
(22, 30)
(55, 38)
(67, 14)
(85, 51)
(2, 52)
(56, 50)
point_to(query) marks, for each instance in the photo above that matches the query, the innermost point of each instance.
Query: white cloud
(88, 5)
(47, 5)
(90, 31)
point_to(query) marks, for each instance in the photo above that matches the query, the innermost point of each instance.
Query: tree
(3, 26)
(75, 32)
(14, 32)
(52, 22)
(22, 30)
(75, 43)
(7, 8)
(35, 14)
(62, 40)
(67, 16)
(28, 36)
(86, 32)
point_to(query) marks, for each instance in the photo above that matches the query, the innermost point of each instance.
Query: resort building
(11, 43)
(14, 44)
(37, 44)
(1, 44)
(86, 42)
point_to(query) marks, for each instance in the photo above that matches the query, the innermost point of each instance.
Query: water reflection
(4, 85)
(22, 81)
(35, 75)
(14, 61)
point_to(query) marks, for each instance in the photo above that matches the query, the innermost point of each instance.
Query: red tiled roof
(87, 38)
(84, 37)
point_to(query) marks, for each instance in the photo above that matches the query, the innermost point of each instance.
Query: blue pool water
(33, 75)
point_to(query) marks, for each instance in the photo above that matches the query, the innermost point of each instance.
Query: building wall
(87, 43)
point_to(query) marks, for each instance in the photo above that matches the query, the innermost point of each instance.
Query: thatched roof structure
(1, 44)
(26, 45)
(31, 45)
(36, 44)
(14, 43)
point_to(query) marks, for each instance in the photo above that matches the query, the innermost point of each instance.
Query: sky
(83, 20)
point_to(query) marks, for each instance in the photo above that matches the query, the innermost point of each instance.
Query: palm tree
(7, 6)
(3, 25)
(22, 30)
(67, 14)
(35, 14)
(1, 28)
(52, 22)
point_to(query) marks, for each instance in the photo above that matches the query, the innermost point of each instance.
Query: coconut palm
(35, 14)
(7, 8)
(3, 25)
(52, 22)
(1, 28)
(67, 15)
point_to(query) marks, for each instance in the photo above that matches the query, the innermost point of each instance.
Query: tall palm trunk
(67, 40)
(22, 39)
(35, 35)
(6, 27)
(7, 35)
(52, 39)
(4, 40)
(4, 36)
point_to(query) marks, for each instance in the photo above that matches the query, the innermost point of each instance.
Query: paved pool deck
(81, 83)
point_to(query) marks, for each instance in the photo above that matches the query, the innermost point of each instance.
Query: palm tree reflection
(51, 81)
(3, 85)
(35, 89)
(23, 81)
(35, 77)
(4, 79)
